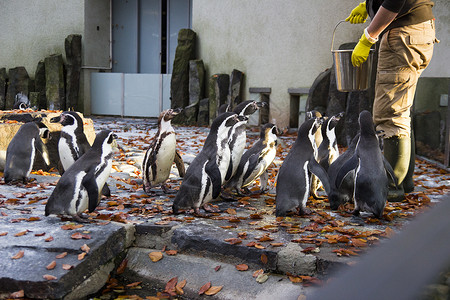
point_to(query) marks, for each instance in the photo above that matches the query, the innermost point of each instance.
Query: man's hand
(361, 51)
(358, 14)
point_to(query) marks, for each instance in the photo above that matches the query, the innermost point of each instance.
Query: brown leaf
(134, 284)
(67, 266)
(277, 244)
(217, 268)
(3, 233)
(21, 233)
(155, 256)
(204, 288)
(122, 266)
(62, 255)
(18, 294)
(179, 287)
(71, 226)
(389, 232)
(265, 238)
(233, 241)
(39, 234)
(231, 211)
(51, 265)
(85, 248)
(295, 279)
(213, 290)
(18, 255)
(31, 219)
(77, 236)
(359, 243)
(49, 277)
(49, 239)
(258, 272)
(171, 252)
(81, 255)
(242, 267)
(264, 258)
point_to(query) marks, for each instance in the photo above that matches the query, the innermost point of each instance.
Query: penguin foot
(355, 212)
(210, 208)
(167, 190)
(198, 214)
(227, 197)
(317, 197)
(81, 219)
(304, 211)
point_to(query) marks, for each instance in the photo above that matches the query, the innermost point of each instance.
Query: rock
(39, 85)
(54, 79)
(196, 81)
(19, 81)
(235, 92)
(318, 93)
(179, 86)
(34, 99)
(203, 112)
(424, 123)
(292, 260)
(190, 114)
(3, 78)
(73, 66)
(218, 93)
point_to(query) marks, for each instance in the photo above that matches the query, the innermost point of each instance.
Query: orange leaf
(155, 256)
(134, 284)
(31, 219)
(276, 244)
(233, 241)
(359, 243)
(85, 248)
(77, 236)
(389, 232)
(231, 211)
(71, 226)
(213, 290)
(204, 288)
(49, 277)
(122, 266)
(21, 233)
(49, 239)
(18, 255)
(171, 252)
(258, 272)
(264, 258)
(18, 294)
(62, 255)
(295, 279)
(81, 255)
(3, 233)
(242, 267)
(179, 287)
(51, 265)
(67, 266)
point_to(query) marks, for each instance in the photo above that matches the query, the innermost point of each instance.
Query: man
(407, 35)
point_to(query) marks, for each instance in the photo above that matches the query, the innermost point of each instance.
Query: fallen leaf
(21, 233)
(81, 255)
(49, 277)
(51, 265)
(217, 268)
(85, 248)
(31, 219)
(242, 267)
(389, 232)
(49, 239)
(295, 279)
(204, 288)
(258, 272)
(71, 226)
(179, 287)
(276, 244)
(262, 278)
(171, 252)
(231, 211)
(39, 234)
(264, 258)
(18, 255)
(233, 241)
(213, 290)
(359, 243)
(3, 233)
(62, 255)
(122, 266)
(67, 266)
(155, 256)
(77, 236)
(134, 284)
(18, 294)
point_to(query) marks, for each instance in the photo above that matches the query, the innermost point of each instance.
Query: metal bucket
(348, 77)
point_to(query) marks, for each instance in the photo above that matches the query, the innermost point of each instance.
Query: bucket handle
(334, 31)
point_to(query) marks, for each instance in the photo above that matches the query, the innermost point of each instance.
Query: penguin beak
(176, 111)
(55, 119)
(242, 118)
(261, 104)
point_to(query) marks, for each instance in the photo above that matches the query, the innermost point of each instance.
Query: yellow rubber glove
(358, 14)
(361, 51)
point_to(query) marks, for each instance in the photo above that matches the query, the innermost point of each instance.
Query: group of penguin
(223, 165)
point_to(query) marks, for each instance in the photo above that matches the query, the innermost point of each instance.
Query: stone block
(39, 85)
(3, 79)
(54, 79)
(190, 114)
(203, 112)
(179, 85)
(292, 260)
(235, 92)
(19, 82)
(425, 125)
(73, 67)
(218, 93)
(196, 81)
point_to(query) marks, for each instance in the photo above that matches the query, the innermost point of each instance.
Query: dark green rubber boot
(408, 182)
(397, 152)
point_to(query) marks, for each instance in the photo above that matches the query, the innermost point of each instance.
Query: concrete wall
(34, 29)
(284, 44)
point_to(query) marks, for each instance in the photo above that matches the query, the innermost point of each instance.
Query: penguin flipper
(42, 149)
(213, 172)
(252, 162)
(349, 166)
(90, 185)
(390, 171)
(229, 171)
(179, 163)
(320, 172)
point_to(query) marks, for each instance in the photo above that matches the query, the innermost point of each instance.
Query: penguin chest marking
(102, 171)
(68, 150)
(238, 149)
(79, 202)
(307, 183)
(164, 158)
(205, 190)
(33, 153)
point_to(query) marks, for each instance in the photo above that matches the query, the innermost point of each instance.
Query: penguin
(328, 150)
(318, 138)
(79, 188)
(203, 180)
(72, 143)
(370, 169)
(21, 101)
(238, 135)
(294, 176)
(343, 193)
(160, 156)
(21, 151)
(256, 160)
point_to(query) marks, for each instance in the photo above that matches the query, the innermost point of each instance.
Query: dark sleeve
(393, 5)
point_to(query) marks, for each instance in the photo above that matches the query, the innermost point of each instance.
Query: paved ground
(130, 225)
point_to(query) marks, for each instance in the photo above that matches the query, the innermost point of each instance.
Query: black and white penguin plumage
(256, 160)
(370, 169)
(343, 193)
(238, 135)
(328, 150)
(79, 188)
(160, 156)
(203, 180)
(315, 182)
(294, 176)
(72, 143)
(21, 101)
(21, 151)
